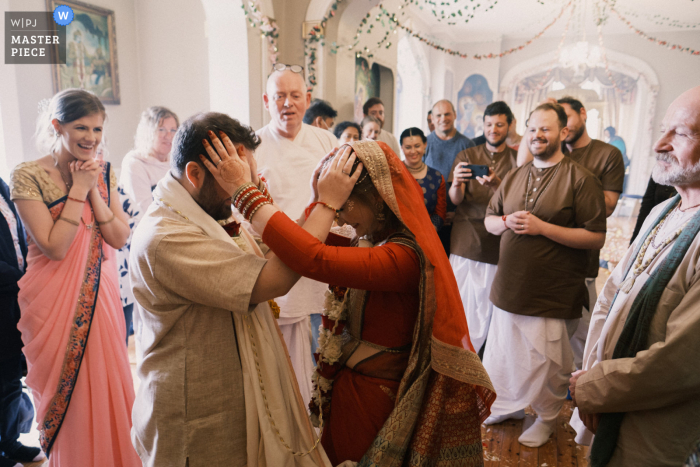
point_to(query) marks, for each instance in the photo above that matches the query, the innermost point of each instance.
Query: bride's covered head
(365, 209)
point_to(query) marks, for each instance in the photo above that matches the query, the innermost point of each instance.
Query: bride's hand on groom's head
(336, 182)
(317, 174)
(229, 168)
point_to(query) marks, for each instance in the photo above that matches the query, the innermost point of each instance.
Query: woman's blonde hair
(66, 106)
(151, 119)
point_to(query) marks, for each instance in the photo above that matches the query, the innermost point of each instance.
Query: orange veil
(451, 351)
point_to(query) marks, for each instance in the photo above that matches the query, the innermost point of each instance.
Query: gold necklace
(60, 172)
(639, 264)
(415, 171)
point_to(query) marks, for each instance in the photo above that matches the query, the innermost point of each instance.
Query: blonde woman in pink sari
(71, 321)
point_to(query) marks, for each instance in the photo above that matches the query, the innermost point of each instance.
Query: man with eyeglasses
(287, 156)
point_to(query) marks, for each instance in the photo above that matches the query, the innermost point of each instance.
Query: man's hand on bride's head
(335, 183)
(227, 167)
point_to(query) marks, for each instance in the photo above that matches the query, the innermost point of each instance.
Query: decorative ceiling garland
(599, 26)
(450, 17)
(268, 27)
(660, 20)
(545, 78)
(666, 44)
(457, 53)
(317, 35)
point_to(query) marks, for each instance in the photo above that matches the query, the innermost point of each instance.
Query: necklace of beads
(640, 265)
(415, 171)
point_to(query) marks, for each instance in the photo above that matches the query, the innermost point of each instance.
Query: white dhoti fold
(529, 360)
(297, 335)
(474, 280)
(578, 340)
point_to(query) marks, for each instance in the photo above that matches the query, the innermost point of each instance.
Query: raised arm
(53, 238)
(302, 248)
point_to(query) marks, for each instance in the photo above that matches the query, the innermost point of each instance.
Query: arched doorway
(624, 99)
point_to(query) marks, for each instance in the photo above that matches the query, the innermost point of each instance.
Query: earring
(380, 211)
(349, 205)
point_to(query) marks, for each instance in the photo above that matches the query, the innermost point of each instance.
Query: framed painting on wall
(91, 52)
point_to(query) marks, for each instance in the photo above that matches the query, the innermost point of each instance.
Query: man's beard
(675, 175)
(499, 142)
(551, 149)
(210, 201)
(573, 137)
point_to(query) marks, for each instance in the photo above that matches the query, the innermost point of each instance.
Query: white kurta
(287, 166)
(390, 139)
(657, 389)
(529, 360)
(474, 280)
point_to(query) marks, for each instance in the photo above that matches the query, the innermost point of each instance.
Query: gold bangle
(107, 221)
(70, 221)
(250, 217)
(250, 203)
(241, 188)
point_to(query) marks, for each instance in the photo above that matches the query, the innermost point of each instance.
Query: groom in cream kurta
(199, 339)
(287, 156)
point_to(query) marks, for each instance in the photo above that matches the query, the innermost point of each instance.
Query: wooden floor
(501, 446)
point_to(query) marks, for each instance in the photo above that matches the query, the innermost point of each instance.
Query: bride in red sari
(401, 385)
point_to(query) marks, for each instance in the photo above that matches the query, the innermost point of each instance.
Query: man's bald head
(443, 117)
(286, 98)
(286, 78)
(678, 149)
(442, 103)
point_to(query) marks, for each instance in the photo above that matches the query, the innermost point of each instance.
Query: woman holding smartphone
(430, 180)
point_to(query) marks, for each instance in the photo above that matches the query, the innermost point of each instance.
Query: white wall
(172, 56)
(32, 83)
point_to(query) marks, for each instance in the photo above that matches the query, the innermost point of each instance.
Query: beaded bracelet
(252, 212)
(504, 220)
(246, 187)
(307, 211)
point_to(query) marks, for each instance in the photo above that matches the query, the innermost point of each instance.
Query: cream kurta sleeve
(661, 376)
(196, 268)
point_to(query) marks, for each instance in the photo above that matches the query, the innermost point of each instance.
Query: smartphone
(477, 170)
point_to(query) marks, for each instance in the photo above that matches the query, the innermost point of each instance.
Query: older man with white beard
(639, 388)
(287, 156)
(548, 213)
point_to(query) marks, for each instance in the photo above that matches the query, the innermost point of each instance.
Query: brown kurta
(470, 239)
(538, 276)
(605, 162)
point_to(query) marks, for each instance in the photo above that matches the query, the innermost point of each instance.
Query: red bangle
(76, 199)
(504, 220)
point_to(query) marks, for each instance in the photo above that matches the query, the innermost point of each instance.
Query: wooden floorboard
(502, 449)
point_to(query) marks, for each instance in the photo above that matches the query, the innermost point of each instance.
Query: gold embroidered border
(460, 364)
(374, 160)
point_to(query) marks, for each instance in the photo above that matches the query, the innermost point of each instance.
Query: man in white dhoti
(217, 387)
(287, 156)
(548, 213)
(640, 385)
(473, 250)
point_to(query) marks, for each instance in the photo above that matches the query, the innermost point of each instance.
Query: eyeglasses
(294, 68)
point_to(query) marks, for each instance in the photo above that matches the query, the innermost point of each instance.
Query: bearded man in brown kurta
(548, 213)
(213, 368)
(473, 250)
(605, 162)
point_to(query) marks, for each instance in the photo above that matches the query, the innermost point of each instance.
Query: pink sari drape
(73, 331)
